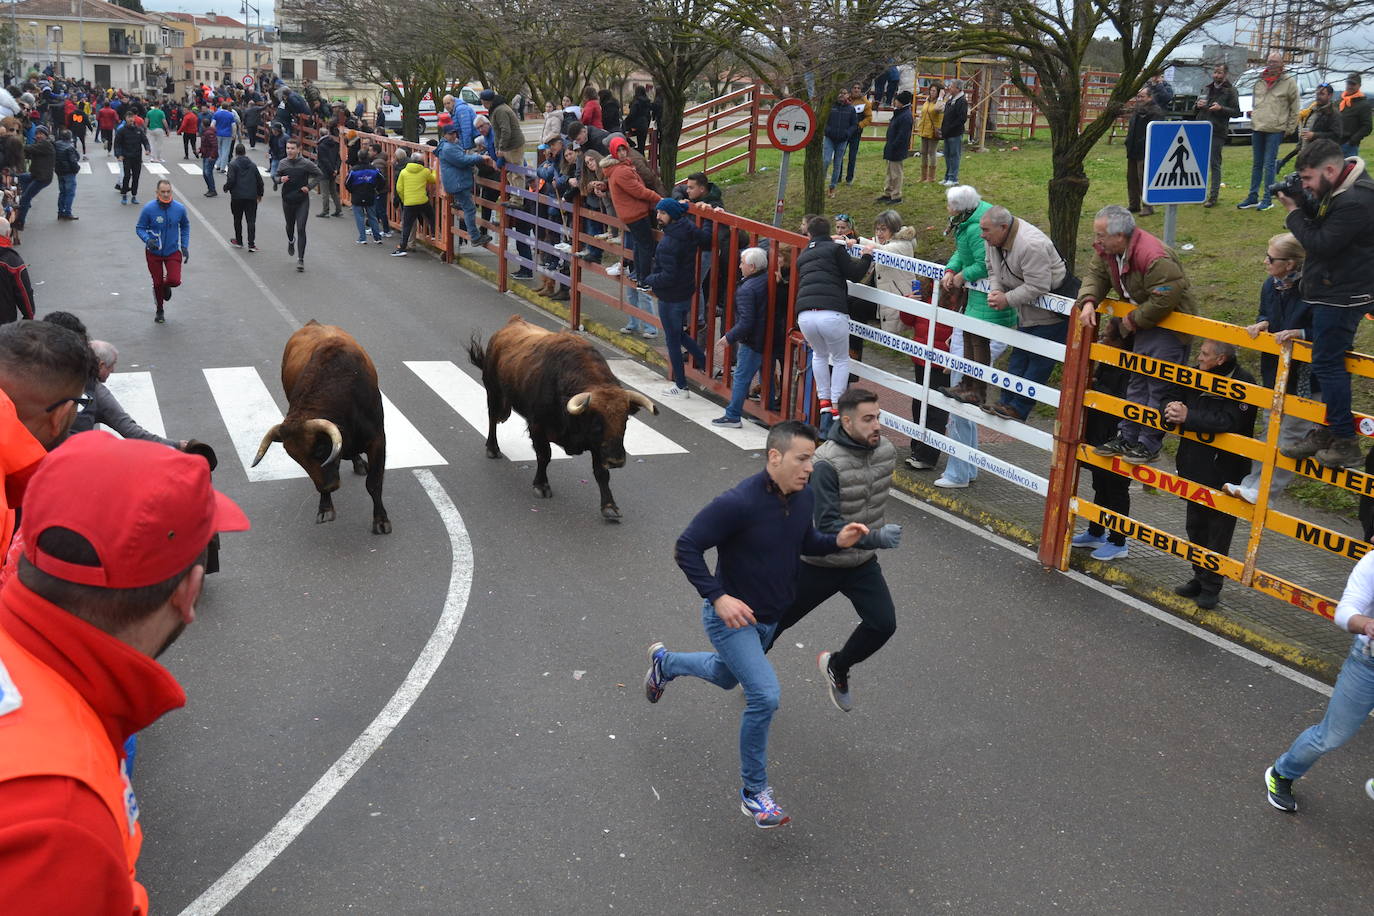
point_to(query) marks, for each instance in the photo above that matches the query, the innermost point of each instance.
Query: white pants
(827, 333)
(155, 141)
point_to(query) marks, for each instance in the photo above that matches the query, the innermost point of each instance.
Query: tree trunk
(1067, 189)
(673, 101)
(813, 173)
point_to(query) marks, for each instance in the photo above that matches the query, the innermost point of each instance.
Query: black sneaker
(160, 318)
(1190, 589)
(1280, 791)
(839, 690)
(654, 680)
(300, 267)
(167, 294)
(1113, 446)
(290, 247)
(1139, 454)
(523, 273)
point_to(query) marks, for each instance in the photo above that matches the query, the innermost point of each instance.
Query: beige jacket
(895, 280)
(1275, 108)
(1026, 267)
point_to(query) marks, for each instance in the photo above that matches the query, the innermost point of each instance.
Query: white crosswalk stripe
(134, 391)
(115, 168)
(699, 410)
(265, 173)
(190, 169)
(155, 169)
(468, 398)
(85, 168)
(405, 446)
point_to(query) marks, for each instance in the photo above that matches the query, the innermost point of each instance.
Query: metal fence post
(504, 221)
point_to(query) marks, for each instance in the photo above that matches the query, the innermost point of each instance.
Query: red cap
(445, 118)
(148, 510)
(617, 143)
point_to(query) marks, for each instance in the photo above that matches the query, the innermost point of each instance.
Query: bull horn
(578, 402)
(332, 431)
(642, 400)
(273, 435)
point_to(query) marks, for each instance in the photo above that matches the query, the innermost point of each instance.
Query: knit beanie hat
(675, 209)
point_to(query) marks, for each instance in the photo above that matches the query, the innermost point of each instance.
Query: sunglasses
(81, 402)
(843, 217)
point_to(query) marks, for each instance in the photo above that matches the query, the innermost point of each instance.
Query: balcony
(151, 50)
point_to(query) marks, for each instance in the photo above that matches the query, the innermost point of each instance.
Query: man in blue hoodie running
(166, 231)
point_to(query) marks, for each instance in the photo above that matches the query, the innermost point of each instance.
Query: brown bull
(334, 411)
(565, 391)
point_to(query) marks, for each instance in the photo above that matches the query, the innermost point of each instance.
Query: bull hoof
(360, 466)
(326, 516)
(543, 491)
(493, 453)
(381, 526)
(610, 513)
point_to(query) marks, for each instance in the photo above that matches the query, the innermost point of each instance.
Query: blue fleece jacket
(751, 312)
(760, 535)
(165, 229)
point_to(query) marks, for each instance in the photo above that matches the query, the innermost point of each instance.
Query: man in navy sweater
(760, 529)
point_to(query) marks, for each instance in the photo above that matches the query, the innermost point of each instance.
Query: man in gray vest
(851, 480)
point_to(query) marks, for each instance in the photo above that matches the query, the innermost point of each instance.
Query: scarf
(956, 221)
(1348, 97)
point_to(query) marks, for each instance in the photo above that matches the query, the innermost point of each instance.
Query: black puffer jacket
(42, 156)
(243, 180)
(1213, 413)
(1340, 243)
(841, 122)
(822, 270)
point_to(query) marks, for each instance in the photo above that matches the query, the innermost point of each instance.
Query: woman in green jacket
(966, 267)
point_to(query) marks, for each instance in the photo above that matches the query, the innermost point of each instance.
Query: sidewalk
(1258, 621)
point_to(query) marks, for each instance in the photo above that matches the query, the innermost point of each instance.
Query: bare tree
(1047, 45)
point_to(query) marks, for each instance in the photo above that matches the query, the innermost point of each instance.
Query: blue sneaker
(1084, 539)
(761, 807)
(1265, 205)
(654, 680)
(1110, 551)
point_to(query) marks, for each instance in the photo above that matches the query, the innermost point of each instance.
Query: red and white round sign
(791, 124)
(248, 81)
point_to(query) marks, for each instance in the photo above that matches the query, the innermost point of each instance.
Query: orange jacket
(633, 199)
(70, 696)
(20, 453)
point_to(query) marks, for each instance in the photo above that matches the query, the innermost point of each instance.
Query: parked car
(389, 109)
(1308, 79)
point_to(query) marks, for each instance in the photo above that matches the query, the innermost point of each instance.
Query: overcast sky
(232, 8)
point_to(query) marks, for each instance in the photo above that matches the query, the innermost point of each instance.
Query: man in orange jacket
(103, 587)
(43, 372)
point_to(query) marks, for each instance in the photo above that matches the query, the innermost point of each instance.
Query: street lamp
(55, 32)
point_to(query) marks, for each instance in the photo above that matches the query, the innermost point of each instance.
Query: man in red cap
(104, 586)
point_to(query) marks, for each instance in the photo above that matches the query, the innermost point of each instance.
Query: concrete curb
(1251, 635)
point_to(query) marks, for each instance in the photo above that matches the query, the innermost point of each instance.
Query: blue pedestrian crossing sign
(1177, 154)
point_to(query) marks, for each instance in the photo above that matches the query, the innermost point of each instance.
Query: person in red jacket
(634, 202)
(105, 120)
(189, 130)
(80, 627)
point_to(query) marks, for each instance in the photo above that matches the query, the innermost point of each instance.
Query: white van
(389, 110)
(1307, 78)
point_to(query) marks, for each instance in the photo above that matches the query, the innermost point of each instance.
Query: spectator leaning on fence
(1337, 231)
(896, 149)
(1023, 265)
(1199, 411)
(1143, 272)
(1218, 103)
(967, 266)
(749, 334)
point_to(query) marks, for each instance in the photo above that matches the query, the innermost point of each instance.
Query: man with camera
(1330, 204)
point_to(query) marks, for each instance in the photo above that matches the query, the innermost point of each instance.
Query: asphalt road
(1023, 744)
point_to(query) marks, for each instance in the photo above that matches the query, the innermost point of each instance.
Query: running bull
(566, 392)
(334, 411)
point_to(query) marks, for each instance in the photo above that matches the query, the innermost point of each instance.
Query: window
(310, 69)
(197, 53)
(287, 66)
(119, 41)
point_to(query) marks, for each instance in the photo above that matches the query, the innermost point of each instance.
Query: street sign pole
(782, 189)
(1176, 166)
(1170, 224)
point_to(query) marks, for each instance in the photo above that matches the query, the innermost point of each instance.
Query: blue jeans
(738, 659)
(1264, 152)
(365, 219)
(1350, 149)
(1351, 702)
(226, 146)
(29, 189)
(1032, 366)
(747, 364)
(964, 431)
(954, 151)
(834, 150)
(207, 171)
(66, 194)
(379, 210)
(463, 200)
(673, 315)
(635, 325)
(1333, 333)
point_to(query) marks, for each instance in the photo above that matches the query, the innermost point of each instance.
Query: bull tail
(477, 352)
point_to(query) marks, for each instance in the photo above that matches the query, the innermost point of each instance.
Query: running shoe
(760, 805)
(654, 680)
(1280, 791)
(839, 689)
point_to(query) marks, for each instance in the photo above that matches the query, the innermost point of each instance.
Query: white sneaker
(563, 246)
(1249, 494)
(676, 392)
(613, 270)
(602, 235)
(947, 484)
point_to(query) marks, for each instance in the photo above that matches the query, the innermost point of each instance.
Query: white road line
(85, 168)
(699, 410)
(155, 168)
(405, 447)
(134, 391)
(249, 412)
(255, 860)
(115, 168)
(1130, 601)
(643, 439)
(264, 172)
(190, 169)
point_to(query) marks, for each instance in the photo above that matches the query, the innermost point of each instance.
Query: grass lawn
(1225, 262)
